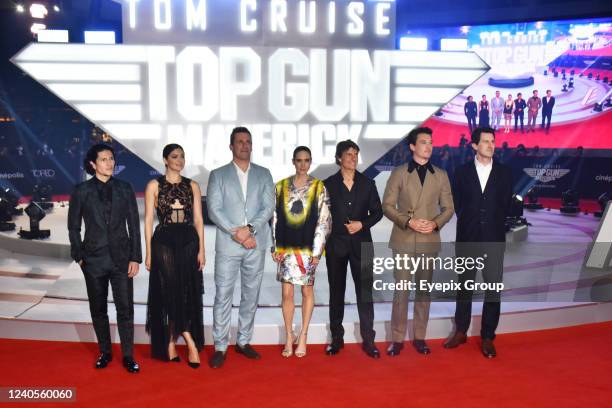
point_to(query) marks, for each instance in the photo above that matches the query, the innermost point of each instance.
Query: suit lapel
(251, 183)
(474, 177)
(233, 173)
(116, 197)
(491, 181)
(414, 186)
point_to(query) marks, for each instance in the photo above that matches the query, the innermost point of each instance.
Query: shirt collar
(100, 182)
(482, 166)
(414, 165)
(240, 170)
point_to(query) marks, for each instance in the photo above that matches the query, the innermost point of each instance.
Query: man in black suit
(519, 111)
(355, 208)
(482, 193)
(547, 106)
(110, 250)
(471, 111)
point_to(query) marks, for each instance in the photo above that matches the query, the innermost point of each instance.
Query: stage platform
(43, 294)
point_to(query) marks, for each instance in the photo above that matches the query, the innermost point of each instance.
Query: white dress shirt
(484, 171)
(243, 178)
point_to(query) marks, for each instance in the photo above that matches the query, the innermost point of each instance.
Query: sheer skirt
(175, 288)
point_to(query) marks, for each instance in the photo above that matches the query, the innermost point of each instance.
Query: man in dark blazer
(471, 111)
(110, 251)
(355, 208)
(547, 106)
(482, 192)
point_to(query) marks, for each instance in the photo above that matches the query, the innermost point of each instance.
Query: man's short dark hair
(414, 133)
(479, 131)
(519, 94)
(92, 155)
(236, 130)
(548, 90)
(535, 90)
(343, 146)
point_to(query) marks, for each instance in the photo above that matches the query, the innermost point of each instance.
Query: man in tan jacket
(419, 201)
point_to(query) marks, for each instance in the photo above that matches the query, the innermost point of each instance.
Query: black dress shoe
(247, 351)
(334, 347)
(421, 347)
(217, 360)
(130, 365)
(371, 350)
(488, 349)
(103, 360)
(394, 349)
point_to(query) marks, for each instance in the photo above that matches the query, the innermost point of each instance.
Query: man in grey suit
(240, 201)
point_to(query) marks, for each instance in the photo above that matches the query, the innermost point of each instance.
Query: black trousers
(492, 273)
(546, 116)
(99, 271)
(471, 122)
(518, 116)
(363, 278)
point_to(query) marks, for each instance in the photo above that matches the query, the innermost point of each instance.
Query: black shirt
(421, 169)
(105, 192)
(348, 198)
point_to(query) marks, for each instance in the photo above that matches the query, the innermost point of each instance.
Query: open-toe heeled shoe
(288, 352)
(301, 352)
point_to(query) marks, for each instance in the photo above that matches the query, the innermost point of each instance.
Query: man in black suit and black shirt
(110, 250)
(482, 193)
(355, 208)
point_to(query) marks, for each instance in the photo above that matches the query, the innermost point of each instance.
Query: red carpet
(553, 368)
(569, 135)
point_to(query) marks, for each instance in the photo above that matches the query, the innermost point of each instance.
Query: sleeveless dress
(508, 105)
(483, 118)
(175, 283)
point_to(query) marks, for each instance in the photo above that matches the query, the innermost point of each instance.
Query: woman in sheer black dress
(175, 258)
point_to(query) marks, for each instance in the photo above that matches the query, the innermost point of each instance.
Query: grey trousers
(249, 266)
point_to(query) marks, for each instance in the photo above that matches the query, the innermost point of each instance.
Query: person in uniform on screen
(482, 192)
(533, 107)
(548, 102)
(519, 111)
(240, 201)
(110, 251)
(471, 111)
(355, 208)
(419, 202)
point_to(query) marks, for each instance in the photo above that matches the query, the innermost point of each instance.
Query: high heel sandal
(301, 353)
(289, 352)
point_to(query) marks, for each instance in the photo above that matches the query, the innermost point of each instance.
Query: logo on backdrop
(546, 173)
(604, 177)
(295, 73)
(43, 173)
(9, 176)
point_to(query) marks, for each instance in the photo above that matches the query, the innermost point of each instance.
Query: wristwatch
(407, 225)
(252, 229)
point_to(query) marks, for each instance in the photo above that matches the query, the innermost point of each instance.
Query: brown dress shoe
(488, 349)
(455, 341)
